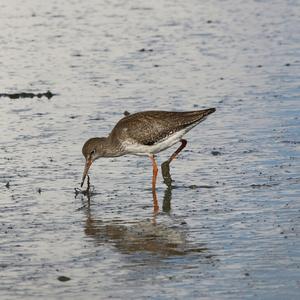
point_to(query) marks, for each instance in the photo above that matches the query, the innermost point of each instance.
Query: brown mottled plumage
(143, 133)
(149, 127)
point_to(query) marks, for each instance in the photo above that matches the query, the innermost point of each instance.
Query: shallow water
(229, 226)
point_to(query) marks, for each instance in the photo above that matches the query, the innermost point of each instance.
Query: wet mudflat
(229, 225)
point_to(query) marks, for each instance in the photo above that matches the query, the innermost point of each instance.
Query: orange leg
(183, 144)
(154, 176)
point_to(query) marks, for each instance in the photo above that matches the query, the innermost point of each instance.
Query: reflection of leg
(165, 171)
(88, 190)
(154, 176)
(155, 202)
(165, 167)
(166, 207)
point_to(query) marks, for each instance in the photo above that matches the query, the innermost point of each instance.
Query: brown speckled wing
(150, 127)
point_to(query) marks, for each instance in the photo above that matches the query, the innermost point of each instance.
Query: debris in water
(63, 278)
(215, 152)
(86, 192)
(48, 94)
(145, 50)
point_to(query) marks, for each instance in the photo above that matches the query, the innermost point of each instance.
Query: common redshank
(144, 133)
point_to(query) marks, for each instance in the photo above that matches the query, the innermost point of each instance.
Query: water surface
(229, 226)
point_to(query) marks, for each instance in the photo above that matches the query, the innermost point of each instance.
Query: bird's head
(91, 150)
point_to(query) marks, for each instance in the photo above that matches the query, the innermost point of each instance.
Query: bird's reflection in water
(165, 170)
(166, 238)
(141, 236)
(160, 234)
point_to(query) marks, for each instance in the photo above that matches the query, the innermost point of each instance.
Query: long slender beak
(88, 163)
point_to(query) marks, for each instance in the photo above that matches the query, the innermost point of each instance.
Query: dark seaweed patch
(48, 95)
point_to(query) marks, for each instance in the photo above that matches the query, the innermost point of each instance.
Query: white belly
(138, 149)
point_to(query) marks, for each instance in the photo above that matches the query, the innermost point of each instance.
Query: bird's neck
(112, 147)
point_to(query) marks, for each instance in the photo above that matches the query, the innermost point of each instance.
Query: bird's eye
(93, 152)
